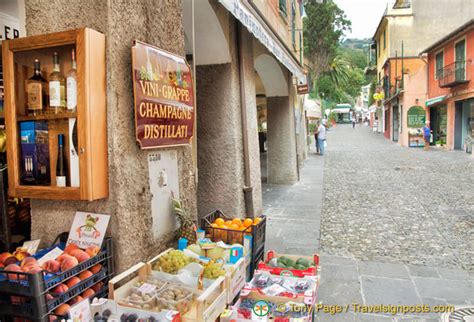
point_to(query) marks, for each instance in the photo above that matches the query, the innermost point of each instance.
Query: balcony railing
(453, 74)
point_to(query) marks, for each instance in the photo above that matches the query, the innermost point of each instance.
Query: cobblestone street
(385, 202)
(395, 226)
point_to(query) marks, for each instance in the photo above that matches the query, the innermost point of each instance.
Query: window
(439, 64)
(282, 7)
(378, 48)
(384, 40)
(460, 56)
(293, 24)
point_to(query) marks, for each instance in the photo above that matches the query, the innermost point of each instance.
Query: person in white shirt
(322, 136)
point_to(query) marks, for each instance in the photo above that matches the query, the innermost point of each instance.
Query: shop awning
(340, 110)
(312, 108)
(263, 33)
(435, 100)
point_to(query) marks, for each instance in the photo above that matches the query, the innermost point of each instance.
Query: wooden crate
(234, 279)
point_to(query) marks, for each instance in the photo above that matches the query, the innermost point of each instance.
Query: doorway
(395, 123)
(461, 123)
(439, 121)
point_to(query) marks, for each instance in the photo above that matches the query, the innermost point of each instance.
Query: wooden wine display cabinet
(33, 134)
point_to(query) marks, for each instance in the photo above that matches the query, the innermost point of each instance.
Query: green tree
(324, 26)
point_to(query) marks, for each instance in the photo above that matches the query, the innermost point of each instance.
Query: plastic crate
(258, 233)
(26, 296)
(310, 271)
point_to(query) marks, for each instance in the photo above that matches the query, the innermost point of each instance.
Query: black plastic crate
(228, 236)
(26, 296)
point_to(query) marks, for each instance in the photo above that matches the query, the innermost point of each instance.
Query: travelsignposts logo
(261, 308)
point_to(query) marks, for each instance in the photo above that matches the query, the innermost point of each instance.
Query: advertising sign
(416, 117)
(88, 229)
(163, 97)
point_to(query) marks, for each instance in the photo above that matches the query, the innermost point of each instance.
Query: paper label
(146, 288)
(88, 229)
(35, 96)
(274, 290)
(71, 92)
(60, 181)
(54, 93)
(81, 312)
(53, 254)
(31, 246)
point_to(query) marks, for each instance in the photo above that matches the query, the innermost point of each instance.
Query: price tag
(31, 246)
(53, 254)
(146, 288)
(81, 312)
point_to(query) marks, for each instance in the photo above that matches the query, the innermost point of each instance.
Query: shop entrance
(395, 123)
(461, 123)
(439, 121)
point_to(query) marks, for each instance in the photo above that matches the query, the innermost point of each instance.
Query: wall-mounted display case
(55, 115)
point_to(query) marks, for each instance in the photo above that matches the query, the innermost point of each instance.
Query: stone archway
(281, 141)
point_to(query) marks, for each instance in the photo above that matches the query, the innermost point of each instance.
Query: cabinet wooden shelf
(47, 117)
(83, 129)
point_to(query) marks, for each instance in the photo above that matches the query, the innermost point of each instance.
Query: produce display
(187, 227)
(22, 261)
(172, 262)
(162, 296)
(213, 270)
(283, 286)
(285, 262)
(236, 223)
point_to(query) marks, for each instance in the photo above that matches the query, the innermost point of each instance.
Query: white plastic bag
(325, 144)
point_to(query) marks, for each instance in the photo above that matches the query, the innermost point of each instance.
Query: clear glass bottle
(57, 88)
(36, 91)
(71, 85)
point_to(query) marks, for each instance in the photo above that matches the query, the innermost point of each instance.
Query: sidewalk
(294, 225)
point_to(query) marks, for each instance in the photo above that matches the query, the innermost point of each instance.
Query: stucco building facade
(231, 63)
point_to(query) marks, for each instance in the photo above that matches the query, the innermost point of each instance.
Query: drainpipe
(248, 189)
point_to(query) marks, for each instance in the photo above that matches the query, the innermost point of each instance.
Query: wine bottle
(57, 97)
(61, 163)
(36, 91)
(71, 85)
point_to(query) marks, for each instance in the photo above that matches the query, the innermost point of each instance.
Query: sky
(364, 14)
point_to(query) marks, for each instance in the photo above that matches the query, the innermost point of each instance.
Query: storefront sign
(9, 27)
(416, 117)
(262, 33)
(303, 89)
(164, 98)
(88, 229)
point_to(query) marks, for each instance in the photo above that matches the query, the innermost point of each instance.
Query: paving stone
(381, 290)
(336, 272)
(383, 269)
(334, 292)
(450, 290)
(331, 259)
(423, 271)
(372, 317)
(342, 317)
(453, 274)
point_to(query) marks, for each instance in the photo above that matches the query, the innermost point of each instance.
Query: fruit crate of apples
(219, 227)
(150, 293)
(168, 264)
(32, 290)
(291, 265)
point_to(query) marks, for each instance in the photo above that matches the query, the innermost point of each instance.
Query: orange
(214, 225)
(219, 221)
(228, 223)
(234, 227)
(237, 221)
(248, 222)
(257, 220)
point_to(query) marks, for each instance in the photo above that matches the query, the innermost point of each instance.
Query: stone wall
(122, 21)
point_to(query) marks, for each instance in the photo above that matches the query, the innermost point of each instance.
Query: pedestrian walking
(322, 136)
(354, 120)
(427, 135)
(316, 138)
